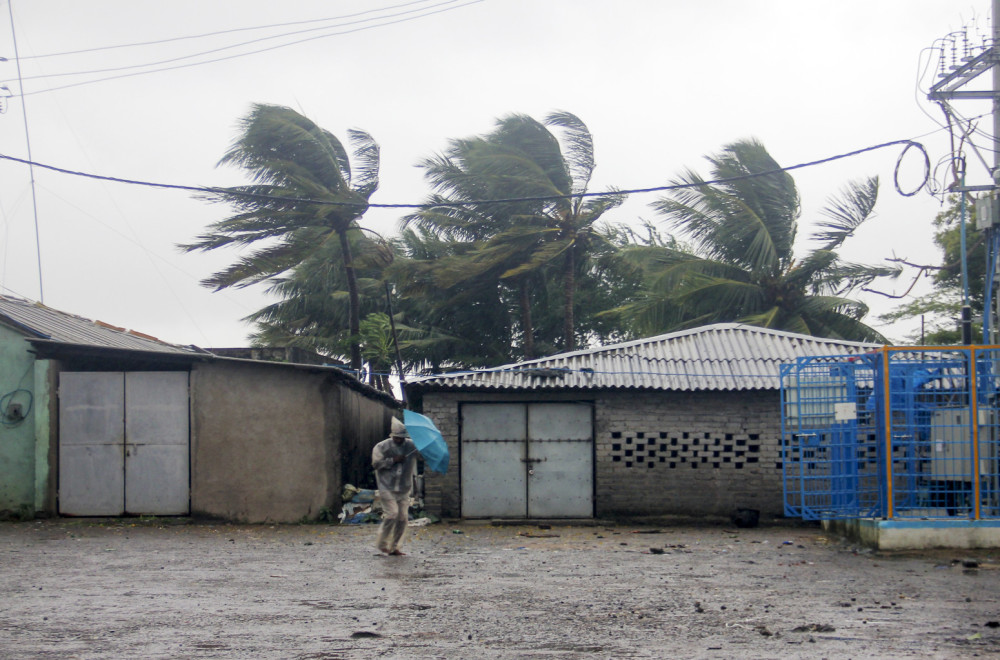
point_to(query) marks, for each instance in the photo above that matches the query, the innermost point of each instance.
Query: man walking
(395, 461)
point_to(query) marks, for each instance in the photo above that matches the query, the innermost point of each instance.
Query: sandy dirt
(176, 589)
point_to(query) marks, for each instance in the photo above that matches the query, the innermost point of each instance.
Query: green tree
(291, 159)
(465, 325)
(741, 266)
(541, 233)
(942, 307)
(313, 306)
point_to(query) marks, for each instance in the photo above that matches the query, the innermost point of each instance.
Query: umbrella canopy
(428, 440)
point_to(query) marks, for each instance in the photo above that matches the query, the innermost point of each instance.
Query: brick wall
(690, 453)
(701, 453)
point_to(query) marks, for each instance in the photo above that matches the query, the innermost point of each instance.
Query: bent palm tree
(305, 193)
(742, 267)
(520, 160)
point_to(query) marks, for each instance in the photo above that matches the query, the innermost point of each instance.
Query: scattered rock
(656, 551)
(815, 627)
(364, 634)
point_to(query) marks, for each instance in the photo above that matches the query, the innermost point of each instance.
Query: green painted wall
(19, 454)
(44, 499)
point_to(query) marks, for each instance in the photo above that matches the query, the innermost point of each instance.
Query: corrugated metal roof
(37, 320)
(725, 356)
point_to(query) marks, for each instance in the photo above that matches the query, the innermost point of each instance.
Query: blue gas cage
(898, 433)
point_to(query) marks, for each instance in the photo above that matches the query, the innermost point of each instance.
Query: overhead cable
(220, 49)
(190, 37)
(253, 52)
(237, 192)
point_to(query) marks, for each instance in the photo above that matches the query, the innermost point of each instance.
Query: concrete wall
(26, 482)
(269, 443)
(702, 453)
(918, 534)
(264, 443)
(364, 423)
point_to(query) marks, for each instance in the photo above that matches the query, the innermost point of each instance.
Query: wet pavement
(176, 589)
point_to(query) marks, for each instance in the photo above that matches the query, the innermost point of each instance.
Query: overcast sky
(660, 83)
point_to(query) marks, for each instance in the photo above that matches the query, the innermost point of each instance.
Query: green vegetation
(942, 307)
(474, 282)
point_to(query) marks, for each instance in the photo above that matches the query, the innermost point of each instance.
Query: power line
(909, 144)
(252, 52)
(216, 33)
(229, 47)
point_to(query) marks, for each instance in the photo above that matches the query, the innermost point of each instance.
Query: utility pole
(991, 268)
(965, 70)
(27, 140)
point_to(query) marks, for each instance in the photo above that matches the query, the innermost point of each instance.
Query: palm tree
(514, 241)
(466, 325)
(741, 266)
(307, 191)
(313, 306)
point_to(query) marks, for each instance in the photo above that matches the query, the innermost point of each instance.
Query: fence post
(887, 413)
(974, 414)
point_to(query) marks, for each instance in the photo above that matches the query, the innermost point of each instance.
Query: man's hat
(399, 429)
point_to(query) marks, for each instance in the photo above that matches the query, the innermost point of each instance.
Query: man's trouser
(395, 514)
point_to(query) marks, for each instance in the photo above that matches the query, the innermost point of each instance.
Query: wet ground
(156, 589)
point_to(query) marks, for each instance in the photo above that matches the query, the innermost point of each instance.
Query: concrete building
(100, 421)
(683, 423)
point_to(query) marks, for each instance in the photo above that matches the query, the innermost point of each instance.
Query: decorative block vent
(688, 450)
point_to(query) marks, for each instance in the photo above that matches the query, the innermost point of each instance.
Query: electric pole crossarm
(945, 96)
(964, 74)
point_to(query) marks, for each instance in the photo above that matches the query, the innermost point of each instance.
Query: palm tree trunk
(569, 292)
(353, 301)
(528, 343)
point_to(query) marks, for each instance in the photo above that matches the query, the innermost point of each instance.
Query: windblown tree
(465, 325)
(942, 307)
(742, 267)
(539, 232)
(307, 191)
(313, 308)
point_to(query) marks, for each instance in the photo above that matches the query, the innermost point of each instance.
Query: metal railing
(897, 433)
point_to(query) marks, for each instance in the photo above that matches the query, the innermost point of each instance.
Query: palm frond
(531, 137)
(366, 161)
(579, 151)
(846, 213)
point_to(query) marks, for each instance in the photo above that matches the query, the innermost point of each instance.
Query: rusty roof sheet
(38, 321)
(725, 356)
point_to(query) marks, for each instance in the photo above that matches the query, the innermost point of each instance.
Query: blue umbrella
(428, 440)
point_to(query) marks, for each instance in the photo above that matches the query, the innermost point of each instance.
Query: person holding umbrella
(395, 462)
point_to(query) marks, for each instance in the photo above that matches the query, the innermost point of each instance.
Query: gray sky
(660, 83)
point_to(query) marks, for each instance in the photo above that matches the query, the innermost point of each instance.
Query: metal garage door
(123, 443)
(527, 460)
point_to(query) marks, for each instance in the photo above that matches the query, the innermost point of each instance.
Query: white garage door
(527, 460)
(123, 443)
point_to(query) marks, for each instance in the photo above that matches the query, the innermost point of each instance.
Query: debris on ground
(745, 518)
(815, 627)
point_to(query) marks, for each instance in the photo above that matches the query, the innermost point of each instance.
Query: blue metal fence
(899, 433)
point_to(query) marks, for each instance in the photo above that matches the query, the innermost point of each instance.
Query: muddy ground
(175, 589)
